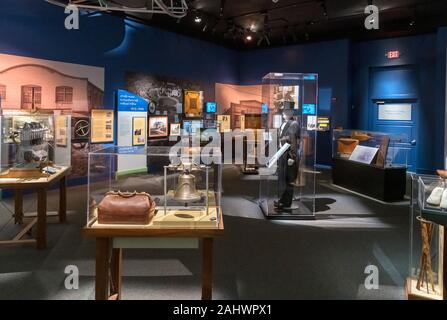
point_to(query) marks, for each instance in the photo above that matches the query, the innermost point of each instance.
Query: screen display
(265, 108)
(211, 107)
(309, 108)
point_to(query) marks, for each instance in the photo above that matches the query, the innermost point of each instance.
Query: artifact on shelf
(128, 208)
(345, 146)
(31, 144)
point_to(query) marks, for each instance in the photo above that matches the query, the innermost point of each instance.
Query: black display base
(385, 184)
(299, 211)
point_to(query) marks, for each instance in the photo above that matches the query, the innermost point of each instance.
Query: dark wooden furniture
(109, 256)
(41, 185)
(385, 184)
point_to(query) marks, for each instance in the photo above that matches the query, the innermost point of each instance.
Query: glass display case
(427, 247)
(379, 158)
(31, 148)
(183, 191)
(372, 148)
(287, 179)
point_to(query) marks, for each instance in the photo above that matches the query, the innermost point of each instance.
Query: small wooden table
(109, 252)
(42, 185)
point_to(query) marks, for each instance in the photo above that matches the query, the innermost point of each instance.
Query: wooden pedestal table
(41, 185)
(110, 242)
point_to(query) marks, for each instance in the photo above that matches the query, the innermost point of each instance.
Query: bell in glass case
(186, 191)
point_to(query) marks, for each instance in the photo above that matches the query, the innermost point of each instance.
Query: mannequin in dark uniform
(289, 162)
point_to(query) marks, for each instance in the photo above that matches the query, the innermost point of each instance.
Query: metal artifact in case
(28, 147)
(427, 274)
(186, 193)
(280, 181)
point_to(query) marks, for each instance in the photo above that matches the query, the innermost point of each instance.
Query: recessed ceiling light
(249, 38)
(198, 19)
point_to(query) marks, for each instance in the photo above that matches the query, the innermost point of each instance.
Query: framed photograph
(363, 154)
(139, 131)
(193, 103)
(175, 129)
(158, 127)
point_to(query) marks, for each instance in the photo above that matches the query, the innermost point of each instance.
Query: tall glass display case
(287, 180)
(31, 147)
(183, 192)
(428, 240)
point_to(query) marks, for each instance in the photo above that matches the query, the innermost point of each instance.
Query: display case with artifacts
(287, 180)
(175, 191)
(427, 272)
(365, 154)
(30, 147)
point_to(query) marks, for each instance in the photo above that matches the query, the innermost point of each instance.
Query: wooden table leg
(116, 273)
(102, 268)
(41, 218)
(18, 206)
(207, 269)
(63, 200)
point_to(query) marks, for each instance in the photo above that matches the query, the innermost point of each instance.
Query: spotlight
(198, 19)
(249, 38)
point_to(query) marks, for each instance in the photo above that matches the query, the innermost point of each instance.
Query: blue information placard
(129, 102)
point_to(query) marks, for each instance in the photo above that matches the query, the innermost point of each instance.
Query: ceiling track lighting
(176, 10)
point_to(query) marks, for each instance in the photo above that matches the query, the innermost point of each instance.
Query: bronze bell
(186, 188)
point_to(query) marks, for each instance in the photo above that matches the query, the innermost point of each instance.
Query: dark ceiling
(284, 22)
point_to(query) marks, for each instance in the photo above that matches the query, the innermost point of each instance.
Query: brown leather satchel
(134, 208)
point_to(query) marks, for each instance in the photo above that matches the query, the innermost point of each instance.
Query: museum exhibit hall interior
(188, 150)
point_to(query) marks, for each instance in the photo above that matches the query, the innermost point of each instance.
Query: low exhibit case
(378, 158)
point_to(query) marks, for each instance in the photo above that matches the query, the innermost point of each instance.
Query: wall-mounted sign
(393, 54)
(311, 123)
(395, 111)
(323, 124)
(129, 102)
(61, 127)
(102, 126)
(81, 129)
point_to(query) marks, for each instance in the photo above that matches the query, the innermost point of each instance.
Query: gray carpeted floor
(256, 259)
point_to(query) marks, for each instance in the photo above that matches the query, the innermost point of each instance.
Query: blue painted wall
(421, 53)
(36, 29)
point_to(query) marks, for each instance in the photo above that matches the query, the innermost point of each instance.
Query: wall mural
(165, 93)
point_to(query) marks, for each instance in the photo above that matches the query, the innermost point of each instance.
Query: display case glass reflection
(170, 192)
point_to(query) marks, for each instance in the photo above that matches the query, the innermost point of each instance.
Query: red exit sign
(393, 54)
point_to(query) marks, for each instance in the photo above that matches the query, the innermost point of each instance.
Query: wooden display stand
(110, 242)
(41, 185)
